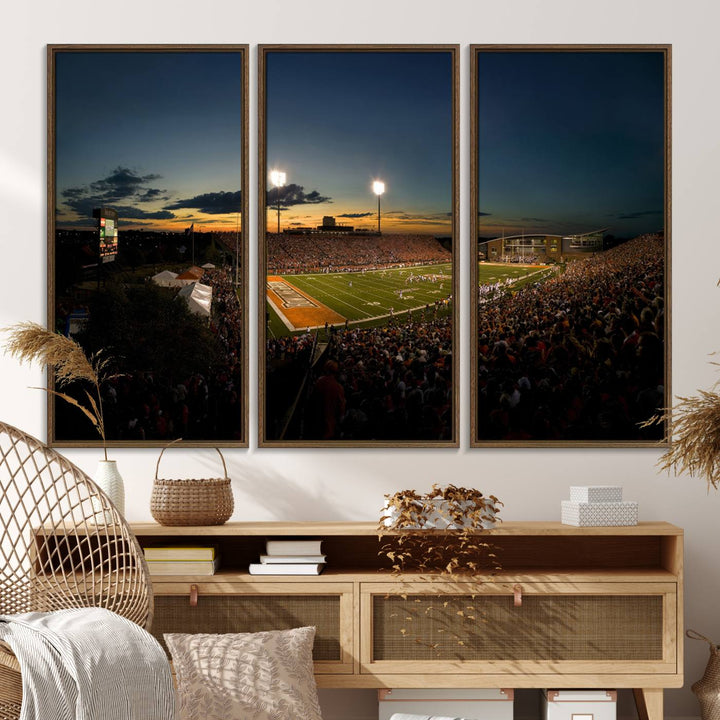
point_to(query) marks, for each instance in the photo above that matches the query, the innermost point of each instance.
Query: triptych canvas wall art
(570, 244)
(358, 242)
(147, 179)
(357, 234)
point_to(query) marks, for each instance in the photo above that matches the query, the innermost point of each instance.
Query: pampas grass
(32, 343)
(695, 447)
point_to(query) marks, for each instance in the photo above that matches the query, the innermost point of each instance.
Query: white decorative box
(579, 705)
(596, 493)
(475, 704)
(596, 514)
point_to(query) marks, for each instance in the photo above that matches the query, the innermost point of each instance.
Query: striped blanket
(88, 664)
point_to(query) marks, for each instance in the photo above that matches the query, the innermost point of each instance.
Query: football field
(296, 302)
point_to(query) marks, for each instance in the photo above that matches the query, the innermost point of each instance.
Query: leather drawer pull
(517, 593)
(193, 595)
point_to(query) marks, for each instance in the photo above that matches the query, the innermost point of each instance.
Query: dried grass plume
(32, 343)
(695, 447)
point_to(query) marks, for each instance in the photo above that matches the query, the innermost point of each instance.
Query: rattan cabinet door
(562, 628)
(237, 607)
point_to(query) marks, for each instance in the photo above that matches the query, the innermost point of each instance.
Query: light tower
(378, 187)
(278, 178)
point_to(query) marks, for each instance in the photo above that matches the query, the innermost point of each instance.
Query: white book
(286, 569)
(182, 567)
(290, 559)
(293, 547)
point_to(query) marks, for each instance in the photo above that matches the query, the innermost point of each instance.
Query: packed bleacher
(288, 253)
(385, 383)
(579, 356)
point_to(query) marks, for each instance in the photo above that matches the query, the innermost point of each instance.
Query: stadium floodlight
(378, 187)
(278, 179)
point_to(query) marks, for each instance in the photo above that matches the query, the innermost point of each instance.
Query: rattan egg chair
(63, 545)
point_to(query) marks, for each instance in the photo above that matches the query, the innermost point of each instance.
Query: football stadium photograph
(358, 158)
(147, 241)
(570, 172)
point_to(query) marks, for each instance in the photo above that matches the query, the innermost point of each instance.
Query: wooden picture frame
(153, 140)
(583, 139)
(358, 129)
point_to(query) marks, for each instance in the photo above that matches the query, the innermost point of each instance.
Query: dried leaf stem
(459, 548)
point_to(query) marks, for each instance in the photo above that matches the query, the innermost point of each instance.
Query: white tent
(208, 266)
(166, 278)
(198, 298)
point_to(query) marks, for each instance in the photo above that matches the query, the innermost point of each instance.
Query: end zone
(296, 308)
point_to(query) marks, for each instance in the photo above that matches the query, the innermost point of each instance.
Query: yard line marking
(320, 291)
(333, 287)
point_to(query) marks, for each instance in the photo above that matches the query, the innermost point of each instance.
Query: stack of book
(182, 560)
(290, 557)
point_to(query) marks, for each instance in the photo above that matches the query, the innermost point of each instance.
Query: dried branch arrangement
(695, 447)
(439, 532)
(30, 342)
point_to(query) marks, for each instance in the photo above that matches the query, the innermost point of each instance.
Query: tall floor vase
(108, 479)
(707, 688)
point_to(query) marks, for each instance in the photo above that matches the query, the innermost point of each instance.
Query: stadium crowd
(205, 405)
(288, 253)
(579, 356)
(384, 383)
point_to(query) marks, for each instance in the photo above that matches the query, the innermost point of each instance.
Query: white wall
(349, 485)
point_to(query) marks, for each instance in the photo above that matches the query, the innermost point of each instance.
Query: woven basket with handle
(195, 501)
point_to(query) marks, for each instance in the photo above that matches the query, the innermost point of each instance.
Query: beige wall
(327, 484)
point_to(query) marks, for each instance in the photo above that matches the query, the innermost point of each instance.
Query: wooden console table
(572, 607)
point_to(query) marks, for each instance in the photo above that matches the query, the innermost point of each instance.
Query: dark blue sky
(570, 141)
(336, 121)
(158, 135)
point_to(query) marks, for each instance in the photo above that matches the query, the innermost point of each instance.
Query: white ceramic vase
(108, 479)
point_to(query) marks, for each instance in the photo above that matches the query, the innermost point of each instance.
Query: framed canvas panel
(570, 244)
(147, 201)
(358, 245)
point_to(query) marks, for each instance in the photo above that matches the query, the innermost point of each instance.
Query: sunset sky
(336, 121)
(157, 136)
(570, 142)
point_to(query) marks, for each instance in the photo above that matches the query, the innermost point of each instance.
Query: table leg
(649, 703)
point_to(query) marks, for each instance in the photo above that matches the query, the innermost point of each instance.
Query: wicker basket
(191, 502)
(707, 688)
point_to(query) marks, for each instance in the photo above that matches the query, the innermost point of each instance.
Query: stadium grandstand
(387, 383)
(288, 253)
(540, 247)
(577, 357)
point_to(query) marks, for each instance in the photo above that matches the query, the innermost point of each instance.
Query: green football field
(368, 298)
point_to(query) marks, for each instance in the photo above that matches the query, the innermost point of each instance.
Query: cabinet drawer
(582, 627)
(226, 607)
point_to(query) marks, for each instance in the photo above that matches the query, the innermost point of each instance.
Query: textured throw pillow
(246, 676)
